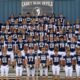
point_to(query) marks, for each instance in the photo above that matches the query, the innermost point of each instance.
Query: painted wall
(8, 7)
(69, 8)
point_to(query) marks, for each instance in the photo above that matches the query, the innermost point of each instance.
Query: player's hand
(13, 67)
(24, 66)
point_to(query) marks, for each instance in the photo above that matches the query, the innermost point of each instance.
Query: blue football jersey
(20, 45)
(41, 44)
(1, 45)
(78, 44)
(56, 59)
(51, 45)
(31, 58)
(78, 36)
(72, 46)
(4, 59)
(14, 36)
(43, 57)
(30, 44)
(10, 45)
(62, 45)
(19, 60)
(77, 58)
(68, 60)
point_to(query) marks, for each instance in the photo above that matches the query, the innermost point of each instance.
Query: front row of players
(34, 62)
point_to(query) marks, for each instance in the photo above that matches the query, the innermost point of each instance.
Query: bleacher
(12, 75)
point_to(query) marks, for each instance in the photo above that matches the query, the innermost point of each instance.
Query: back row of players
(39, 26)
(19, 55)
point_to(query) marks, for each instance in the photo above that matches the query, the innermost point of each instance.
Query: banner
(37, 7)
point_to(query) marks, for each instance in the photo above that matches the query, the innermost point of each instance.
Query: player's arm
(0, 60)
(74, 60)
(5, 45)
(36, 62)
(13, 48)
(14, 62)
(9, 61)
(39, 60)
(63, 61)
(48, 61)
(26, 61)
(25, 47)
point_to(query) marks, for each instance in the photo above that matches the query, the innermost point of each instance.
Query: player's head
(30, 39)
(12, 16)
(18, 52)
(35, 47)
(2, 39)
(51, 30)
(24, 22)
(68, 23)
(77, 21)
(65, 38)
(56, 50)
(43, 50)
(16, 22)
(9, 38)
(46, 47)
(51, 37)
(73, 39)
(41, 28)
(30, 50)
(61, 38)
(20, 38)
(41, 36)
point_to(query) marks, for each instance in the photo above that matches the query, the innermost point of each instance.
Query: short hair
(67, 49)
(56, 49)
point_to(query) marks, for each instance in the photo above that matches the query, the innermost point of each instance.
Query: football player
(77, 25)
(1, 45)
(72, 44)
(43, 59)
(78, 35)
(4, 62)
(20, 45)
(31, 64)
(62, 45)
(77, 59)
(61, 18)
(56, 61)
(11, 19)
(19, 18)
(9, 46)
(14, 34)
(68, 60)
(50, 44)
(19, 62)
